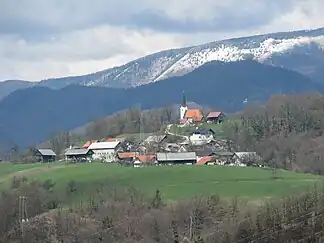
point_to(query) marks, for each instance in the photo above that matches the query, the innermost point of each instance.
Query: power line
(23, 217)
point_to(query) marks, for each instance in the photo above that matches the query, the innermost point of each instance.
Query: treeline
(287, 132)
(129, 121)
(125, 216)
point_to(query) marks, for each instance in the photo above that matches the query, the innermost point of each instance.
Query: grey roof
(76, 151)
(46, 152)
(72, 147)
(104, 145)
(205, 152)
(224, 153)
(176, 156)
(155, 138)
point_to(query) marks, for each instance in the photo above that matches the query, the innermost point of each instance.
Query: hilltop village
(201, 146)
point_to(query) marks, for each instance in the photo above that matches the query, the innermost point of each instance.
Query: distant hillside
(10, 86)
(31, 115)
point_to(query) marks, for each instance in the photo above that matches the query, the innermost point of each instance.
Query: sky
(53, 38)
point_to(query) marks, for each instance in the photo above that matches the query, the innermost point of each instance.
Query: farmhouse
(188, 158)
(206, 160)
(105, 151)
(141, 160)
(78, 154)
(45, 155)
(224, 158)
(215, 117)
(126, 156)
(173, 147)
(200, 137)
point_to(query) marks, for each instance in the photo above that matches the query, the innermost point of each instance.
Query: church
(189, 116)
(196, 116)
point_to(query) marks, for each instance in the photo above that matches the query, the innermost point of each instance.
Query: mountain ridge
(301, 51)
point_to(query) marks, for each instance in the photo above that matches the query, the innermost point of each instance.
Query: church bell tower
(183, 107)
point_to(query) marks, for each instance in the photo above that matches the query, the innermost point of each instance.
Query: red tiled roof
(88, 143)
(204, 160)
(194, 114)
(124, 155)
(146, 158)
(214, 114)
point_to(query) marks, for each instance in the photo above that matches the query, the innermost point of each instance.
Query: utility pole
(22, 209)
(190, 226)
(141, 128)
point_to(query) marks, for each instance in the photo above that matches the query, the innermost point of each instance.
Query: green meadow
(175, 182)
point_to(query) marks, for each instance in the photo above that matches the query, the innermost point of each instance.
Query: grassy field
(175, 182)
(218, 128)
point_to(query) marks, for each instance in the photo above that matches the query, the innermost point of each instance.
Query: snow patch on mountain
(136, 73)
(231, 53)
(301, 51)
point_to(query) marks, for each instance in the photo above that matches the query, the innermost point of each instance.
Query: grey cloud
(161, 22)
(227, 19)
(79, 45)
(37, 18)
(46, 38)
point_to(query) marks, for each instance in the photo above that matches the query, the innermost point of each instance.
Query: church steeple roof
(184, 102)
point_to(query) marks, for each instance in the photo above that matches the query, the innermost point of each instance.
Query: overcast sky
(53, 38)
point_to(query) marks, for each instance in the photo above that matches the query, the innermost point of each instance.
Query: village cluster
(201, 147)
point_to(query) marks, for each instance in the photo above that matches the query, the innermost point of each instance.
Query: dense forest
(125, 216)
(287, 132)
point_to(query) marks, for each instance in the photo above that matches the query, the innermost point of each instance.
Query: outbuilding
(188, 158)
(45, 155)
(78, 154)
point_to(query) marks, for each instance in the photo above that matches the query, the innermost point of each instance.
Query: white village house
(201, 137)
(105, 151)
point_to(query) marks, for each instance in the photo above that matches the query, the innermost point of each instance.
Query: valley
(221, 142)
